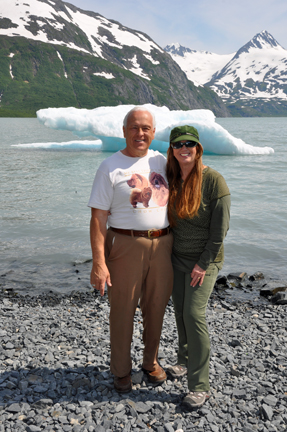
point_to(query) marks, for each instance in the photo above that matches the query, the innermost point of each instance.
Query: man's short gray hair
(139, 108)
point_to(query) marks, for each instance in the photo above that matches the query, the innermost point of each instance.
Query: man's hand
(100, 276)
(197, 276)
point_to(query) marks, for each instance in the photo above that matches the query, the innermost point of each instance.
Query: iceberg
(105, 124)
(75, 145)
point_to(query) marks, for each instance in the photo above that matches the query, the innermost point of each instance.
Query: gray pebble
(267, 412)
(33, 428)
(54, 361)
(270, 400)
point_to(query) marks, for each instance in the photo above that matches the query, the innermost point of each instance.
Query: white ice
(105, 124)
(69, 145)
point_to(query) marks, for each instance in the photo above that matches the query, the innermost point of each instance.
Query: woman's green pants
(193, 339)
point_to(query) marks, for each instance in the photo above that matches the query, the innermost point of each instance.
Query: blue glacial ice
(104, 124)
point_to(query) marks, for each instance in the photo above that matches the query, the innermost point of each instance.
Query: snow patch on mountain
(60, 57)
(98, 29)
(136, 69)
(199, 66)
(155, 62)
(47, 21)
(258, 70)
(104, 75)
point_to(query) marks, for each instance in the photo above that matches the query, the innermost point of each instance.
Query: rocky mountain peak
(253, 80)
(262, 40)
(177, 49)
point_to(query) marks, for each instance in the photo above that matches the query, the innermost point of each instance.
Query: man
(132, 256)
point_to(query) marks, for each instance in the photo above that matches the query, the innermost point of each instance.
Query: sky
(218, 26)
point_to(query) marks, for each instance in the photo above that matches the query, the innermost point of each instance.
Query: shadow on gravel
(42, 387)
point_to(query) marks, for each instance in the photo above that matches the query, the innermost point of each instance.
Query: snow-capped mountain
(253, 76)
(59, 23)
(86, 60)
(199, 66)
(258, 70)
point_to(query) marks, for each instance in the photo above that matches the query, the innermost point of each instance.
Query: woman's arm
(219, 225)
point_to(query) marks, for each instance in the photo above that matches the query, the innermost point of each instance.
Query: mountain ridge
(90, 60)
(251, 81)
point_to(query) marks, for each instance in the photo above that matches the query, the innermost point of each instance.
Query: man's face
(138, 133)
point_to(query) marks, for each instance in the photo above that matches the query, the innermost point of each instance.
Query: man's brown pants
(141, 272)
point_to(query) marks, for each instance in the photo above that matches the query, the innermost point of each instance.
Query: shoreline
(233, 288)
(55, 369)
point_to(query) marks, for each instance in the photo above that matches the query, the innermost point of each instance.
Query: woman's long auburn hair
(184, 204)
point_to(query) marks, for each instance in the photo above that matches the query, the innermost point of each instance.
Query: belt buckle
(149, 233)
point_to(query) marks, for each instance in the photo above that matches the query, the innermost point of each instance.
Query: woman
(198, 210)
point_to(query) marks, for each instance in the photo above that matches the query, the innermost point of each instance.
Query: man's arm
(100, 274)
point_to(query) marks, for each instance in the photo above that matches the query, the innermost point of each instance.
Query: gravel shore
(55, 369)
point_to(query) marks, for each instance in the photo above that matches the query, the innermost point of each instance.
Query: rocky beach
(55, 364)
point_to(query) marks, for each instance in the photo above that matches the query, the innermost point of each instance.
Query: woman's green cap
(184, 133)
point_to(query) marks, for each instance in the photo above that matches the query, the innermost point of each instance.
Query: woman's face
(185, 156)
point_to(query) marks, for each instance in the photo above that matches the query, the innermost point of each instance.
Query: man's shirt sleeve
(102, 192)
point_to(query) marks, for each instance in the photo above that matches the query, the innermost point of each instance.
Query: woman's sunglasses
(180, 144)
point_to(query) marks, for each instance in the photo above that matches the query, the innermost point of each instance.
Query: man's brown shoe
(124, 384)
(157, 376)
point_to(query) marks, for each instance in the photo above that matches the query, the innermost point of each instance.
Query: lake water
(45, 218)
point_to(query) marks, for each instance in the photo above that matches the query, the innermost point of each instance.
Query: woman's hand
(197, 276)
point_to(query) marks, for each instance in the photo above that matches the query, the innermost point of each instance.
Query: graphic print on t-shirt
(138, 181)
(159, 189)
(143, 190)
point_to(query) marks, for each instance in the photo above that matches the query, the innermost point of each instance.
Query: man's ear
(124, 132)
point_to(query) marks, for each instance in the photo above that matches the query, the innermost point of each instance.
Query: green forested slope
(39, 78)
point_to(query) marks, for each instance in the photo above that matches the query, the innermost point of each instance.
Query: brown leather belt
(152, 233)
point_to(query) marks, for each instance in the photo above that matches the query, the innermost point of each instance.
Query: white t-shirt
(134, 190)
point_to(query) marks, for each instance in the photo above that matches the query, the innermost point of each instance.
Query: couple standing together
(158, 243)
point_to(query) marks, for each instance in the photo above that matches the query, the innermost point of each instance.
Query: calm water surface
(45, 218)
